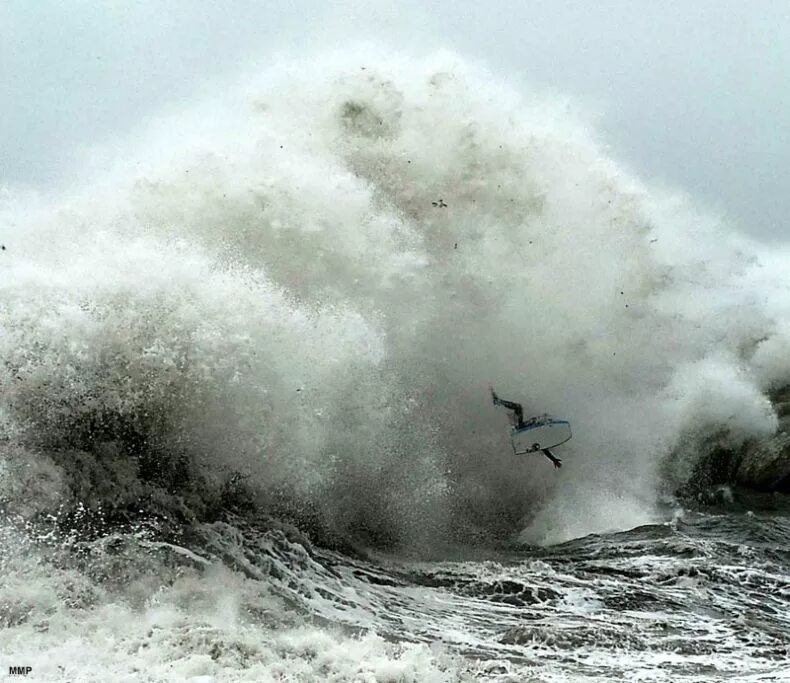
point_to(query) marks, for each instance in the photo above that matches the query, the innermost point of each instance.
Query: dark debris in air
(2, 246)
(440, 204)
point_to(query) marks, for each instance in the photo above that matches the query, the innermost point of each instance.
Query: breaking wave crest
(291, 299)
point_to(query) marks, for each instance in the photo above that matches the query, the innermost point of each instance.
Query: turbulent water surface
(245, 431)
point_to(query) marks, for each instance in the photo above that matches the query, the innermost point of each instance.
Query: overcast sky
(694, 94)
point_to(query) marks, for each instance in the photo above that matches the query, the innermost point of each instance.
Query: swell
(295, 307)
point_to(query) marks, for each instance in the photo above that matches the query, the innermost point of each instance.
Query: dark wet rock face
(766, 465)
(762, 465)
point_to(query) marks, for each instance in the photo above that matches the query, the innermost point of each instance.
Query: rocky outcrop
(765, 465)
(762, 465)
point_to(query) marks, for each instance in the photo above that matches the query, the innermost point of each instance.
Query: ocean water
(245, 430)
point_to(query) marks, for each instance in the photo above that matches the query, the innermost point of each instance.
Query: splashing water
(290, 300)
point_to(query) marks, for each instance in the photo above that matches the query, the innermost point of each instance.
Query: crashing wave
(295, 301)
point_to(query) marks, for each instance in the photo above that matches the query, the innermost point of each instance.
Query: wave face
(244, 406)
(302, 288)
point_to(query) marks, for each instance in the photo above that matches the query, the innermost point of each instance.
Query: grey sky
(694, 94)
